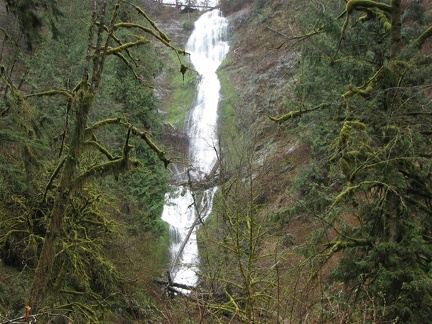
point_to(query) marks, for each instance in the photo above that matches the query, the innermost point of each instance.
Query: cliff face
(259, 73)
(174, 93)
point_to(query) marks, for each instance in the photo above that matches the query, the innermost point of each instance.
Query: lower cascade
(207, 46)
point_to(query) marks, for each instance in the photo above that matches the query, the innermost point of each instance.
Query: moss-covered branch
(365, 90)
(359, 4)
(296, 113)
(338, 245)
(353, 5)
(419, 41)
(372, 8)
(119, 42)
(53, 176)
(135, 131)
(131, 68)
(124, 46)
(102, 123)
(65, 93)
(290, 115)
(382, 73)
(350, 189)
(315, 31)
(102, 149)
(147, 138)
(161, 33)
(113, 167)
(158, 36)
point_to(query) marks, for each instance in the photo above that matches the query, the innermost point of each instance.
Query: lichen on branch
(373, 9)
(296, 113)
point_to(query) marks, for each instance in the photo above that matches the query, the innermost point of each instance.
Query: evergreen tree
(32, 15)
(366, 77)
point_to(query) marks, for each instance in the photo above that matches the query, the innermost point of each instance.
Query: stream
(207, 46)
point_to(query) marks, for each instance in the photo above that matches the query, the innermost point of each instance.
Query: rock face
(171, 22)
(260, 72)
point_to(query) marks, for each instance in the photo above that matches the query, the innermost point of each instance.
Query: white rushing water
(207, 47)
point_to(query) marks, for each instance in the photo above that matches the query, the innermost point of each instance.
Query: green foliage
(315, 190)
(13, 290)
(38, 133)
(188, 25)
(30, 21)
(368, 180)
(227, 103)
(233, 269)
(182, 96)
(143, 194)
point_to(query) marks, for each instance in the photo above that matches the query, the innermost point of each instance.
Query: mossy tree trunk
(81, 101)
(71, 173)
(66, 189)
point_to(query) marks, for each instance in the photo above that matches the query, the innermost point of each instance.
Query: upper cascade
(208, 47)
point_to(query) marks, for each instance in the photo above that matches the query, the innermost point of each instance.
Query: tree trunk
(44, 271)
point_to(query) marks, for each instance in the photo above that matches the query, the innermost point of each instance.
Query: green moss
(182, 91)
(188, 25)
(228, 100)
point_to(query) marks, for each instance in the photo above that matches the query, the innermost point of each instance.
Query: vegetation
(182, 95)
(325, 193)
(82, 179)
(29, 18)
(378, 160)
(362, 106)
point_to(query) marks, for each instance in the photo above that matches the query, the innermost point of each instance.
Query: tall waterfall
(207, 47)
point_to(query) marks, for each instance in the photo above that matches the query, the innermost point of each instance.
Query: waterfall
(207, 47)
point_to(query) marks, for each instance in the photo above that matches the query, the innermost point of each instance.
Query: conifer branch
(315, 31)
